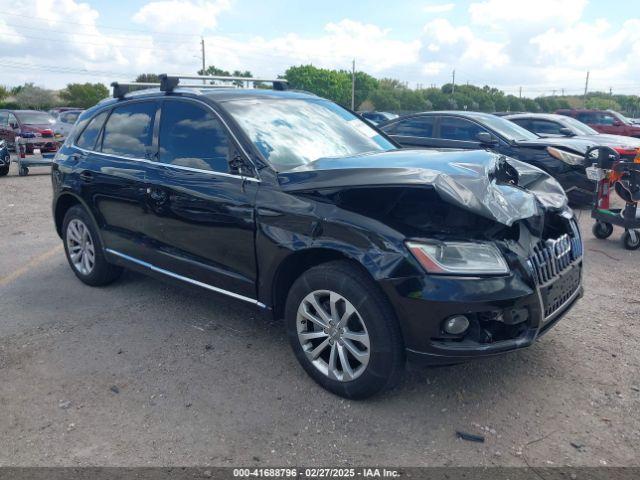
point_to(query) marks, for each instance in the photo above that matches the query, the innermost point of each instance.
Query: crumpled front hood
(475, 180)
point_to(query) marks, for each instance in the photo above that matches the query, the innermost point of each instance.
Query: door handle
(86, 176)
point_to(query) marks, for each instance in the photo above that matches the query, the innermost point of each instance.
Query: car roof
(29, 111)
(222, 94)
(456, 113)
(541, 116)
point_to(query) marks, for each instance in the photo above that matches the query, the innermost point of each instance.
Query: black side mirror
(567, 132)
(485, 138)
(13, 125)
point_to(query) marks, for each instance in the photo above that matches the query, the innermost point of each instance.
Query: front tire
(84, 250)
(4, 170)
(343, 331)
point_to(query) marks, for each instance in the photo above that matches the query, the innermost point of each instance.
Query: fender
(70, 194)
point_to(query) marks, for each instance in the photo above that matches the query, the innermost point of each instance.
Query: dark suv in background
(291, 203)
(604, 121)
(563, 158)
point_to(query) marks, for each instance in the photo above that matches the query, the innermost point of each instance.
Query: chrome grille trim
(552, 257)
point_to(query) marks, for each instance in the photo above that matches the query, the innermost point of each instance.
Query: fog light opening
(456, 325)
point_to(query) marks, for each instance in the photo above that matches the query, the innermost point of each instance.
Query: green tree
(602, 103)
(30, 96)
(148, 78)
(4, 92)
(84, 95)
(214, 71)
(332, 84)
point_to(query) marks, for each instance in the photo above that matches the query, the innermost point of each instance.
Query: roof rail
(169, 82)
(120, 89)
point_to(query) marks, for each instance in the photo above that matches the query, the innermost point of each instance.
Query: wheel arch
(296, 263)
(63, 203)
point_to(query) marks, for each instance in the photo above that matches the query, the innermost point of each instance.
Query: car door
(414, 132)
(201, 209)
(458, 132)
(609, 124)
(114, 149)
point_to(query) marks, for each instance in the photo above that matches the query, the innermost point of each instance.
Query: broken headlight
(459, 258)
(566, 157)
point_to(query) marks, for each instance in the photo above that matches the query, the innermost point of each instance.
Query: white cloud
(447, 45)
(192, 16)
(513, 13)
(438, 7)
(505, 43)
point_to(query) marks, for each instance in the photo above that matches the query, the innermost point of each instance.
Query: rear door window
(453, 128)
(129, 130)
(88, 137)
(545, 126)
(415, 127)
(588, 117)
(192, 136)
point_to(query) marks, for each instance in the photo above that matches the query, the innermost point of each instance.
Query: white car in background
(65, 121)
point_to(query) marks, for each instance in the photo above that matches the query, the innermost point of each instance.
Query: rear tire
(359, 330)
(84, 250)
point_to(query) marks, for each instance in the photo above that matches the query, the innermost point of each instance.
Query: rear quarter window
(87, 139)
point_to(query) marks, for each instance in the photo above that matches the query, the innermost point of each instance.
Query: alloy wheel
(80, 247)
(333, 335)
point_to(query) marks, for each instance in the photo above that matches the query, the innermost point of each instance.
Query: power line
(154, 32)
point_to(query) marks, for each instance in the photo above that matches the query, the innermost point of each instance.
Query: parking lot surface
(146, 373)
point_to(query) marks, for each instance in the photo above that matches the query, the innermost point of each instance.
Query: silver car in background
(65, 121)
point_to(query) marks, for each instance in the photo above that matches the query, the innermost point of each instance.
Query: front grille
(554, 256)
(556, 269)
(556, 295)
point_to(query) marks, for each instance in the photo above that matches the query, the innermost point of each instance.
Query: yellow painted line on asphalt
(34, 262)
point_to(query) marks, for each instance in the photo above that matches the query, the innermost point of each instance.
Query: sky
(541, 46)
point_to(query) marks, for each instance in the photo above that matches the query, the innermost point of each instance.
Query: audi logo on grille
(560, 247)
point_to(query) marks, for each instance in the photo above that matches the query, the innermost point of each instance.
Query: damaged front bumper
(505, 313)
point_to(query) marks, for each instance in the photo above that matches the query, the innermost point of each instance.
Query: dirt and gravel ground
(144, 373)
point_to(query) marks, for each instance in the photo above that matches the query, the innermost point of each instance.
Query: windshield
(294, 132)
(34, 118)
(507, 128)
(578, 127)
(620, 117)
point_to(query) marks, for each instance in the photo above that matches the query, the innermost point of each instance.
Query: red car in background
(604, 121)
(33, 125)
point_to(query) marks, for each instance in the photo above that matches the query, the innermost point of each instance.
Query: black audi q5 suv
(370, 253)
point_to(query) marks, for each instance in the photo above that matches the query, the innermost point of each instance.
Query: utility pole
(453, 82)
(586, 88)
(353, 85)
(203, 61)
(563, 92)
(610, 91)
(520, 92)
